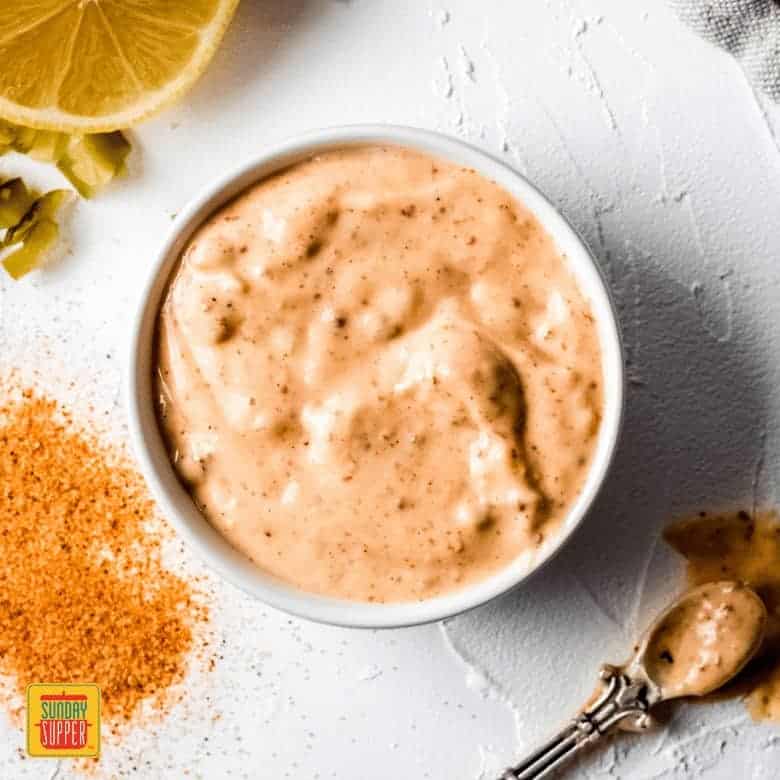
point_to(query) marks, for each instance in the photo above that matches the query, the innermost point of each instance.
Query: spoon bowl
(702, 640)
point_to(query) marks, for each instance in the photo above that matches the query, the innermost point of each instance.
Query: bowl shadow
(696, 408)
(694, 420)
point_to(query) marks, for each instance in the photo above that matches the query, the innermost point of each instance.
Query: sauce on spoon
(704, 639)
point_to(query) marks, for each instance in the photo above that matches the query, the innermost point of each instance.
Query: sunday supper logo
(63, 720)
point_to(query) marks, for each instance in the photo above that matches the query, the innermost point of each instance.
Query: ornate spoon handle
(622, 701)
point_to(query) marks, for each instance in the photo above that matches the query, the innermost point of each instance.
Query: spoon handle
(621, 699)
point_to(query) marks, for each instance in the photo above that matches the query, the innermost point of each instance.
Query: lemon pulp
(98, 65)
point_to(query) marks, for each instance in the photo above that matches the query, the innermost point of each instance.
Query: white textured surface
(657, 150)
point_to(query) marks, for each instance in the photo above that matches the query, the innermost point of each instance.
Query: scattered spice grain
(84, 594)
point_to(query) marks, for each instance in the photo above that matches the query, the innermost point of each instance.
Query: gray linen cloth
(749, 29)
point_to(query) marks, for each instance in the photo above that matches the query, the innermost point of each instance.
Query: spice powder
(84, 595)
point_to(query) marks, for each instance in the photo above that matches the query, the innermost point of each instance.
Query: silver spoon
(694, 647)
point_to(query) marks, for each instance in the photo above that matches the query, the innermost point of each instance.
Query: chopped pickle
(38, 240)
(28, 228)
(92, 161)
(52, 201)
(7, 137)
(88, 161)
(34, 234)
(45, 207)
(16, 137)
(24, 137)
(48, 146)
(15, 202)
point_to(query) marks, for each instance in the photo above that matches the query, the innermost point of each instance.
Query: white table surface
(656, 148)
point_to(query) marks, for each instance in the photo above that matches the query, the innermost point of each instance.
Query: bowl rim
(176, 504)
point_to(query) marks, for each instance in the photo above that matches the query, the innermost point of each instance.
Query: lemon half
(89, 66)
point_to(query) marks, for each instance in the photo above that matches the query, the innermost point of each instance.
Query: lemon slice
(89, 66)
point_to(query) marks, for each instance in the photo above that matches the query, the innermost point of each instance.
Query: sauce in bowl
(377, 376)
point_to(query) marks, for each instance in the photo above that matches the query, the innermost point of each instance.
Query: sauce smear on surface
(377, 376)
(743, 547)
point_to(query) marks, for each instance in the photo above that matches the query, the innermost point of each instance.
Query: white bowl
(176, 502)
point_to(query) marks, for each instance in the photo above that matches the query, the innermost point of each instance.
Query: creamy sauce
(705, 639)
(741, 547)
(377, 376)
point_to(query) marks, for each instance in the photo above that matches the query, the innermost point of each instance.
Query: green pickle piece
(25, 139)
(28, 227)
(92, 161)
(44, 207)
(7, 137)
(15, 202)
(51, 202)
(37, 241)
(34, 235)
(48, 146)
(89, 162)
(44, 145)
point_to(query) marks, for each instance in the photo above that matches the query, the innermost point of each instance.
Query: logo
(63, 720)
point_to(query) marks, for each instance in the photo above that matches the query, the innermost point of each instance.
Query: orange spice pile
(84, 596)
